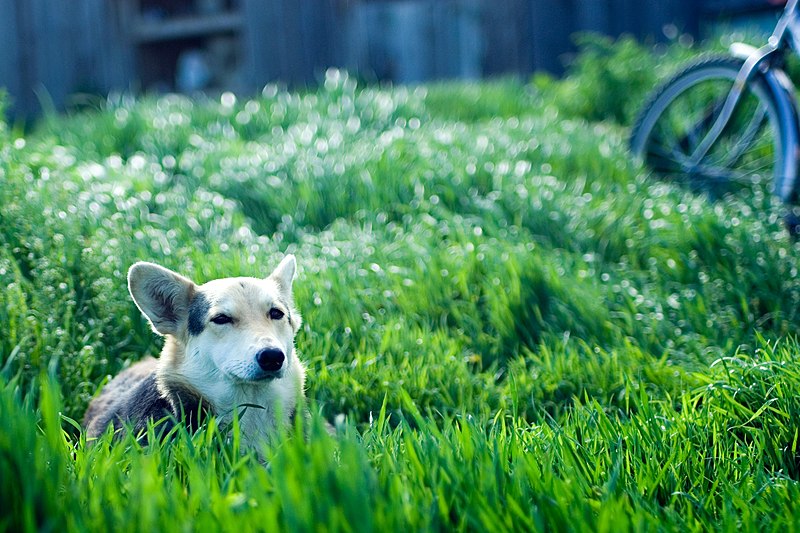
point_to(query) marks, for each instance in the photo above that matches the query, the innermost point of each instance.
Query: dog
(229, 347)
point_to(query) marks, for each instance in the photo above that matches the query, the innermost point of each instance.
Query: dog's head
(239, 328)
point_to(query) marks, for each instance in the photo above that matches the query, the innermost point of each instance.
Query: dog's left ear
(284, 274)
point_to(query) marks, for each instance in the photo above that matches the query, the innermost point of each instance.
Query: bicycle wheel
(752, 150)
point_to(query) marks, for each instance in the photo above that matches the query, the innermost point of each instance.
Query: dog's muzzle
(270, 360)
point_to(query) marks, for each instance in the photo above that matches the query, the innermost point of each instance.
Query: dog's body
(229, 346)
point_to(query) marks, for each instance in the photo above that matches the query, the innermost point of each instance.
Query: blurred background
(54, 53)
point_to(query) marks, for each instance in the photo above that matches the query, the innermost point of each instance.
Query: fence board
(508, 36)
(11, 71)
(81, 45)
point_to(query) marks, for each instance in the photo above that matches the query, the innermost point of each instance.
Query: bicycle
(728, 121)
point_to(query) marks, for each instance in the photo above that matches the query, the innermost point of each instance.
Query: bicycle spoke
(697, 132)
(718, 174)
(722, 176)
(673, 155)
(747, 137)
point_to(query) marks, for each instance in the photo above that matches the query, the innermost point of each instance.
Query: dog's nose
(270, 359)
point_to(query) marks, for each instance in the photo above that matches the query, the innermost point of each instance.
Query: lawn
(512, 324)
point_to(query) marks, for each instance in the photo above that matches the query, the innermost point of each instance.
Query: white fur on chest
(263, 407)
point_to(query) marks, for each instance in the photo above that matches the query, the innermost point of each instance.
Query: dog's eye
(275, 314)
(222, 319)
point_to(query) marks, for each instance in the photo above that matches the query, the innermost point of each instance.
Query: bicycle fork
(755, 58)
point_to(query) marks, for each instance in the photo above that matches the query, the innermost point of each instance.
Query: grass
(521, 329)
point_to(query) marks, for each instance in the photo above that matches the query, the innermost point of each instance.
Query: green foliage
(522, 330)
(470, 102)
(608, 79)
(720, 455)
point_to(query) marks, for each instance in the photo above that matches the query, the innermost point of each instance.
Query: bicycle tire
(717, 180)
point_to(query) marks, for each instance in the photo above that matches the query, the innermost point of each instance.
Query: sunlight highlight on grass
(519, 328)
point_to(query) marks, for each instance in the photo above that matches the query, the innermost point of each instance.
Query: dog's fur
(222, 350)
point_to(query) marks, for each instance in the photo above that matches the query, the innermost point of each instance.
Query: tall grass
(722, 455)
(520, 329)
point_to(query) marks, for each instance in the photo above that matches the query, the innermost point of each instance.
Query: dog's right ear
(162, 295)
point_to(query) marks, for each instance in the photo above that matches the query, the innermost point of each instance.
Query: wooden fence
(52, 49)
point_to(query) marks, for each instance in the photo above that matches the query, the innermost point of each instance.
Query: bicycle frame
(789, 22)
(787, 32)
